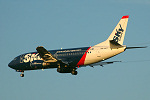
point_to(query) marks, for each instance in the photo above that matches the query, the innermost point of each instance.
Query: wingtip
(39, 47)
(126, 16)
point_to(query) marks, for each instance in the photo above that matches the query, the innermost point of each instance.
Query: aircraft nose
(12, 64)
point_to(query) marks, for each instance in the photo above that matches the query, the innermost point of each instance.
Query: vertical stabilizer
(119, 32)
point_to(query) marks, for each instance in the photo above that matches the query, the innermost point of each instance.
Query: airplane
(69, 60)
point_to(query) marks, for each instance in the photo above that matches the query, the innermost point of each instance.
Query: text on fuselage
(31, 57)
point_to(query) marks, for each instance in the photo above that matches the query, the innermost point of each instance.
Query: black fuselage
(32, 60)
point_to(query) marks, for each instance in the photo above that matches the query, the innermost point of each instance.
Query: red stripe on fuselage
(81, 62)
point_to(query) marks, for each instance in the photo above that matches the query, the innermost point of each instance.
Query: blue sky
(56, 24)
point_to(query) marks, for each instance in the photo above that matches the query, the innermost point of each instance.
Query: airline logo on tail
(118, 34)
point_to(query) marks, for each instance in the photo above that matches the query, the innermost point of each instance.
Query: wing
(45, 55)
(103, 63)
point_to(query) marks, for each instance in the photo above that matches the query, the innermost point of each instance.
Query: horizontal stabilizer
(135, 47)
(115, 45)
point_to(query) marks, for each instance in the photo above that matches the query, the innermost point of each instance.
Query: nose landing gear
(22, 74)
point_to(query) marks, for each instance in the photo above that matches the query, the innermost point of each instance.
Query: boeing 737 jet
(69, 60)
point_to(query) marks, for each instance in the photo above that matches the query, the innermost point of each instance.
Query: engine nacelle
(45, 64)
(39, 64)
(64, 70)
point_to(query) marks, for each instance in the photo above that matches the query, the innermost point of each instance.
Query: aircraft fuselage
(74, 57)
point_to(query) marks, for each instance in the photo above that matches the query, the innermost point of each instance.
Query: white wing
(103, 63)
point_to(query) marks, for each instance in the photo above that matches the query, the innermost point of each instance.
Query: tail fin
(118, 33)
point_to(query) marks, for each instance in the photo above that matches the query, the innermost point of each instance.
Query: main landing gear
(74, 72)
(66, 69)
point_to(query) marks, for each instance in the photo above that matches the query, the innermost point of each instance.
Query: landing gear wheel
(22, 75)
(74, 72)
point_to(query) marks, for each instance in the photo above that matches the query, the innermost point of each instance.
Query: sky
(55, 24)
